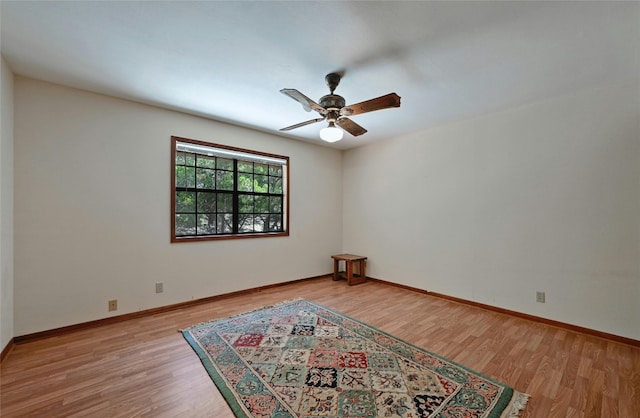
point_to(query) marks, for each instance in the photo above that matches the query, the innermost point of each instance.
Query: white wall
(6, 206)
(92, 210)
(544, 197)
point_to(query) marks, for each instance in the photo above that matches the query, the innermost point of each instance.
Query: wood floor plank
(143, 367)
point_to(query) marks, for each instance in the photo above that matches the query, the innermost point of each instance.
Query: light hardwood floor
(143, 367)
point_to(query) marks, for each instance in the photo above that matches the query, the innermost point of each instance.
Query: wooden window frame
(243, 155)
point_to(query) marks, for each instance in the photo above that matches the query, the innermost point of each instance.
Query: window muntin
(226, 192)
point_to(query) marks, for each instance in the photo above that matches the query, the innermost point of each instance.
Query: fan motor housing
(332, 101)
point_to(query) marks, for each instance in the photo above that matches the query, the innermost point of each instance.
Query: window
(223, 192)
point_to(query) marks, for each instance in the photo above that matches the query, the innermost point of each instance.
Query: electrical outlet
(159, 287)
(113, 305)
(540, 297)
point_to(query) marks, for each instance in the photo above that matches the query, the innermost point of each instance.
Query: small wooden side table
(349, 259)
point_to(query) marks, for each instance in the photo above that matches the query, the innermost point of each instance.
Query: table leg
(349, 272)
(335, 269)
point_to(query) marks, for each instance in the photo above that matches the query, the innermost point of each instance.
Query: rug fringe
(517, 405)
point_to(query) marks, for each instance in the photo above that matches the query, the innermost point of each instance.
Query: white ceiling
(228, 60)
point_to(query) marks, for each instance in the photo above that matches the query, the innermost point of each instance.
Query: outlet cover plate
(540, 297)
(113, 305)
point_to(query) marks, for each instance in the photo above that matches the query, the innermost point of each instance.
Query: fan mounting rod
(332, 79)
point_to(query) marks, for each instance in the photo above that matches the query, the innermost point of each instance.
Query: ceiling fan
(332, 109)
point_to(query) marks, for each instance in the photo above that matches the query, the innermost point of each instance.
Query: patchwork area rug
(301, 359)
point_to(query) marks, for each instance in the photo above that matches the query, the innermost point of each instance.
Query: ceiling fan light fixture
(331, 133)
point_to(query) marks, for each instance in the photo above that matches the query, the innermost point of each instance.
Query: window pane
(259, 222)
(189, 159)
(275, 185)
(189, 177)
(224, 163)
(206, 202)
(185, 202)
(181, 179)
(206, 224)
(245, 203)
(261, 184)
(185, 224)
(225, 202)
(205, 178)
(261, 204)
(206, 161)
(245, 182)
(275, 204)
(275, 170)
(225, 223)
(275, 223)
(245, 167)
(245, 223)
(260, 168)
(179, 158)
(224, 180)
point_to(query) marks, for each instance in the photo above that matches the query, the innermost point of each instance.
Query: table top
(348, 257)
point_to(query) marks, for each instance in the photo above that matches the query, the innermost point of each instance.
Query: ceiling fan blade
(350, 126)
(306, 102)
(298, 125)
(382, 102)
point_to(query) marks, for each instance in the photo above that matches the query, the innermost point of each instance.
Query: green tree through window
(227, 192)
